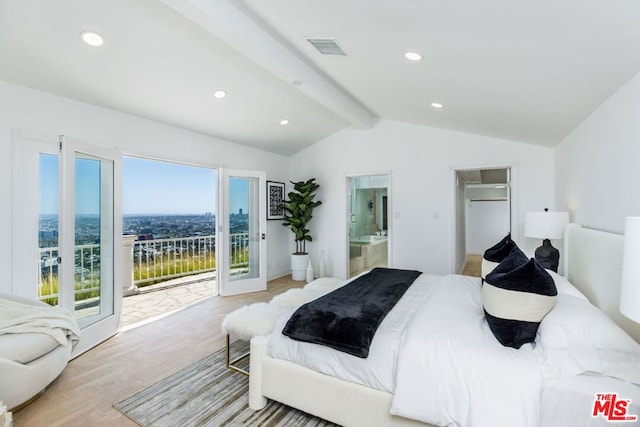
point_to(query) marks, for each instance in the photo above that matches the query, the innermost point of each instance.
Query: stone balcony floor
(164, 298)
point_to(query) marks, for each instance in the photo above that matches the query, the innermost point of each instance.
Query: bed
(551, 391)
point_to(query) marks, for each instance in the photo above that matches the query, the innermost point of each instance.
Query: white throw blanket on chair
(19, 318)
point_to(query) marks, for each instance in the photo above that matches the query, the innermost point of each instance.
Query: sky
(155, 187)
(148, 186)
(48, 184)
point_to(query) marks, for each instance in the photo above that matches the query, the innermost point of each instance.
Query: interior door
(68, 218)
(242, 253)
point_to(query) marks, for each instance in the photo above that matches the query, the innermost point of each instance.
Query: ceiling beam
(228, 23)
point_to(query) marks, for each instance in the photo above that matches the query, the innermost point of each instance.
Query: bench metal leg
(231, 363)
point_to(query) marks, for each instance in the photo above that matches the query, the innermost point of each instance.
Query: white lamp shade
(546, 225)
(630, 292)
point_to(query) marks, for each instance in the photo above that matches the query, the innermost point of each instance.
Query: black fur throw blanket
(347, 318)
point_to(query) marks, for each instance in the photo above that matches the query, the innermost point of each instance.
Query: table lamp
(546, 225)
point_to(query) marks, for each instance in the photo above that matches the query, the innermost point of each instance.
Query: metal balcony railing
(163, 259)
(153, 261)
(87, 273)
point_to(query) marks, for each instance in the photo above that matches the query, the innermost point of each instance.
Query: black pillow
(513, 259)
(495, 254)
(516, 296)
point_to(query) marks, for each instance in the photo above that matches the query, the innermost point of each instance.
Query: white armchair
(30, 358)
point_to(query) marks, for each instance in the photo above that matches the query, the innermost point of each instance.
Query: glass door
(90, 224)
(68, 218)
(242, 252)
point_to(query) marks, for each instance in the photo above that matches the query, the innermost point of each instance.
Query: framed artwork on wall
(275, 199)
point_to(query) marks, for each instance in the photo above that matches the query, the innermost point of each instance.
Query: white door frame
(92, 332)
(27, 147)
(238, 285)
(390, 231)
(513, 198)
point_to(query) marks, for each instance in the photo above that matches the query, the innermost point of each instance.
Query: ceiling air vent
(326, 45)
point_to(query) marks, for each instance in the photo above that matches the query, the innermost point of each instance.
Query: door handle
(264, 236)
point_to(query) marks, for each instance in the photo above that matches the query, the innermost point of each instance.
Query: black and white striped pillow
(516, 296)
(495, 254)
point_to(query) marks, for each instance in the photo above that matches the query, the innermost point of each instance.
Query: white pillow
(564, 286)
(576, 337)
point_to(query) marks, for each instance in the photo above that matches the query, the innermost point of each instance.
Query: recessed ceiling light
(437, 105)
(219, 94)
(413, 56)
(92, 38)
(284, 122)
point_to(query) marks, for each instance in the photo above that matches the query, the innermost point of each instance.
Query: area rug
(206, 393)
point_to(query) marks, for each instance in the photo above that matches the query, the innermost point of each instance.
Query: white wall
(421, 197)
(597, 165)
(28, 110)
(487, 222)
(598, 174)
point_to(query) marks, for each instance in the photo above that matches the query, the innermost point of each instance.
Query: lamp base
(548, 256)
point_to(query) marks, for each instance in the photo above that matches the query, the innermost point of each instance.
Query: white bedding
(436, 354)
(378, 370)
(467, 377)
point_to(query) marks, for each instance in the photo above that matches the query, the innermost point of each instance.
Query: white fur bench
(260, 318)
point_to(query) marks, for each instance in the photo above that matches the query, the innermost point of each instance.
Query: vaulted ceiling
(524, 71)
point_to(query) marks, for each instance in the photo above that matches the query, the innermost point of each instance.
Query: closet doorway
(368, 226)
(484, 214)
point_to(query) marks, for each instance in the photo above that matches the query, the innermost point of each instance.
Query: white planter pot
(299, 265)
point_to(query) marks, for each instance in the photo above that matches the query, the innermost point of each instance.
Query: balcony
(183, 269)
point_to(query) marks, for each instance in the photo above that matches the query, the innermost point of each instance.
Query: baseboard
(279, 275)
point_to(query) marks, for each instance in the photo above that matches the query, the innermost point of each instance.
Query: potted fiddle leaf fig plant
(298, 210)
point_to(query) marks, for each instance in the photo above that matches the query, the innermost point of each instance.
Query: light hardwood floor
(473, 265)
(130, 361)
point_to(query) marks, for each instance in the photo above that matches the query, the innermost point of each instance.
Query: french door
(241, 227)
(68, 211)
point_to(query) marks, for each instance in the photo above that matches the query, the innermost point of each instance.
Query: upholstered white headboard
(593, 263)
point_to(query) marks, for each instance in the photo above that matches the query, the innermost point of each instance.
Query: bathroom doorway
(368, 227)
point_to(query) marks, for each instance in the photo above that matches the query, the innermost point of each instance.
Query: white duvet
(453, 372)
(434, 351)
(376, 371)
